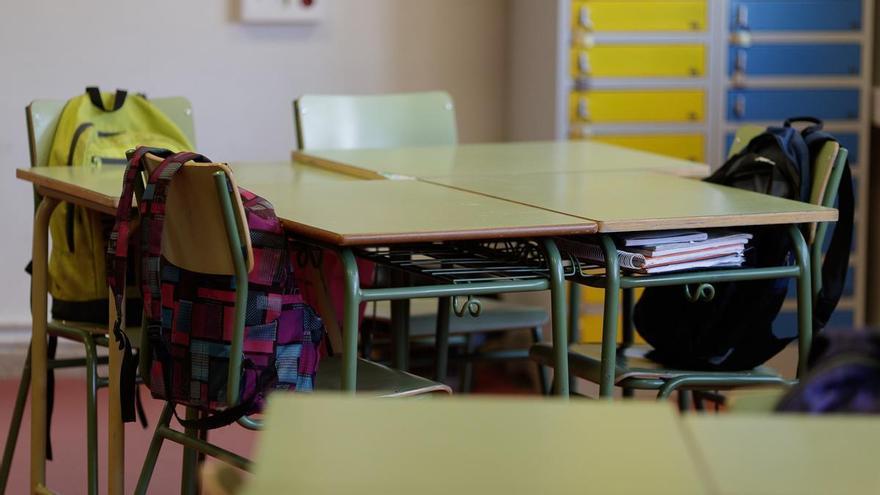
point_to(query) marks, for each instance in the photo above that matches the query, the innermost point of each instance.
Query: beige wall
(241, 79)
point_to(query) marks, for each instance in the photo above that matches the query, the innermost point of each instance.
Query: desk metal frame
(613, 282)
(354, 295)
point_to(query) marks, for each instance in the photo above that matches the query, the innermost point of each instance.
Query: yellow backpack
(95, 130)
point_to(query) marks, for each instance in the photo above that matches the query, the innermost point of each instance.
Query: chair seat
(495, 316)
(64, 326)
(376, 380)
(585, 361)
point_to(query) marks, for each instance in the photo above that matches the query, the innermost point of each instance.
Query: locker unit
(629, 73)
(678, 77)
(804, 57)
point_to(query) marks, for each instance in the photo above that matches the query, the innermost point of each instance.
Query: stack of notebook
(669, 251)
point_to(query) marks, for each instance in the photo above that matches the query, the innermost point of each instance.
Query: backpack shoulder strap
(152, 209)
(836, 263)
(117, 258)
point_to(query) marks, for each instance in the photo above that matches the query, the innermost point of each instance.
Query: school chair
(42, 120)
(217, 226)
(410, 120)
(635, 371)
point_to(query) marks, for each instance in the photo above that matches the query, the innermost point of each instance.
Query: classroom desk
(471, 445)
(639, 200)
(552, 157)
(787, 454)
(315, 204)
(643, 201)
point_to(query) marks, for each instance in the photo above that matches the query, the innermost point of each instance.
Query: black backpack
(734, 330)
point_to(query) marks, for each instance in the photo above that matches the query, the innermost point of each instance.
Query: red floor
(66, 474)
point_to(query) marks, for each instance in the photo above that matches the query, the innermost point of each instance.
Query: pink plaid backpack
(189, 315)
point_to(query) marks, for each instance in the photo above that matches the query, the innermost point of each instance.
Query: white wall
(240, 79)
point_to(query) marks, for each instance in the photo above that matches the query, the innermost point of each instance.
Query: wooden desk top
(495, 159)
(470, 445)
(638, 201)
(336, 209)
(787, 454)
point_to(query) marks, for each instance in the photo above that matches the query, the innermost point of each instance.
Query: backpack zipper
(70, 208)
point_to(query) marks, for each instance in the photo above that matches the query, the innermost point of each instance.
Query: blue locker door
(795, 15)
(778, 104)
(795, 60)
(848, 287)
(850, 141)
(785, 325)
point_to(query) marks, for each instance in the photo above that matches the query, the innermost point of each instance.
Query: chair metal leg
(92, 413)
(15, 422)
(543, 379)
(441, 347)
(188, 481)
(683, 402)
(153, 451)
(713, 382)
(467, 370)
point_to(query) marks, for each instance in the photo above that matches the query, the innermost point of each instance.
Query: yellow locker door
(639, 15)
(685, 146)
(591, 316)
(610, 106)
(672, 60)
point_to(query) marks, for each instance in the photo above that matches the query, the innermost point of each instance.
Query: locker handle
(583, 109)
(739, 64)
(583, 63)
(739, 106)
(742, 16)
(584, 18)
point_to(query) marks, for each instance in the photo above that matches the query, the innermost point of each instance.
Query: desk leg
(40, 318)
(559, 318)
(400, 313)
(441, 359)
(574, 322)
(609, 319)
(805, 299)
(574, 312)
(628, 329)
(350, 321)
(115, 430)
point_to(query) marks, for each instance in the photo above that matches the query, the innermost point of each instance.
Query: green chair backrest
(43, 115)
(743, 135)
(375, 121)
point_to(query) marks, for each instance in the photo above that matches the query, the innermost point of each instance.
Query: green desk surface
(100, 186)
(336, 209)
(638, 201)
(333, 445)
(786, 454)
(495, 159)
